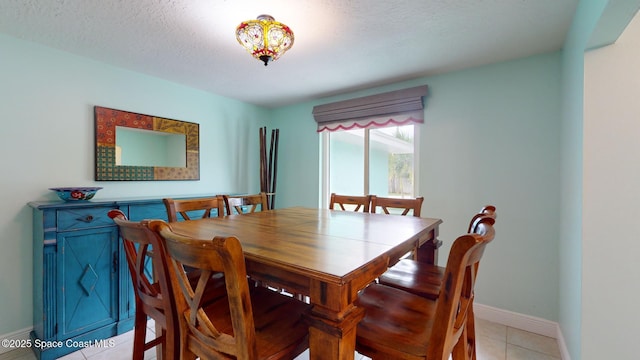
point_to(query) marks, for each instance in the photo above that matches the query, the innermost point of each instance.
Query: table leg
(333, 339)
(427, 251)
(334, 318)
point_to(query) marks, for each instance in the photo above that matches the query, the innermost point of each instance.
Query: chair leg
(460, 349)
(471, 333)
(183, 342)
(139, 335)
(186, 354)
(171, 345)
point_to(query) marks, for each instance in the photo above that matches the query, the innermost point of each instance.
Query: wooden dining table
(326, 255)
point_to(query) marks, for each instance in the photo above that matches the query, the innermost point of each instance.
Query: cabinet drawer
(84, 218)
(147, 211)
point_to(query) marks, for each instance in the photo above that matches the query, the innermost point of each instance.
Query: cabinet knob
(87, 219)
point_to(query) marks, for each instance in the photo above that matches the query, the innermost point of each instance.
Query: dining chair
(354, 203)
(400, 325)
(152, 298)
(245, 204)
(422, 278)
(397, 205)
(425, 280)
(187, 208)
(487, 210)
(249, 323)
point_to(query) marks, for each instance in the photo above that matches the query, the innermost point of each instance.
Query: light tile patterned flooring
(495, 342)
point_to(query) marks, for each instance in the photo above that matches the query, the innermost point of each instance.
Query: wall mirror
(132, 146)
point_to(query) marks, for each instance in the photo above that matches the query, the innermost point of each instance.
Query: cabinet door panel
(88, 280)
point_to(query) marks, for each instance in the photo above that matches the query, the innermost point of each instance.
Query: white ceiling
(340, 45)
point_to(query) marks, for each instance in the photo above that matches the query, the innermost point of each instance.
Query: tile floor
(495, 342)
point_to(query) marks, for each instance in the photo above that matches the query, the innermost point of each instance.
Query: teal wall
(298, 156)
(47, 140)
(570, 244)
(583, 304)
(491, 135)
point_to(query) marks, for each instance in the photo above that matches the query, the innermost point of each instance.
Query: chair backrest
(413, 205)
(358, 203)
(151, 292)
(245, 204)
(457, 291)
(201, 206)
(211, 256)
(487, 210)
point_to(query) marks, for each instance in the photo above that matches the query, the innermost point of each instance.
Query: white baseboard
(16, 335)
(523, 322)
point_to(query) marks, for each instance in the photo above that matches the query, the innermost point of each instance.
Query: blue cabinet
(82, 287)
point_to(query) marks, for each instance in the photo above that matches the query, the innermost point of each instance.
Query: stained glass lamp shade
(265, 39)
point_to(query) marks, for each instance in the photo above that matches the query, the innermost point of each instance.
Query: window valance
(392, 108)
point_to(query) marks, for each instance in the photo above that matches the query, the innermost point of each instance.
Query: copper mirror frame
(106, 169)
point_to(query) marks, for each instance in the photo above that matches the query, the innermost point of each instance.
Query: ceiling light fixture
(265, 39)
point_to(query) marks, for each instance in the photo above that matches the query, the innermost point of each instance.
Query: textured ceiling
(340, 45)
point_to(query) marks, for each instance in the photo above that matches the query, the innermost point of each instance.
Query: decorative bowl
(76, 193)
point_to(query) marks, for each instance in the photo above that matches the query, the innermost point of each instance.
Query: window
(368, 144)
(377, 161)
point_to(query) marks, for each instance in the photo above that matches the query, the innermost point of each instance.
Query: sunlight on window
(391, 169)
(391, 161)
